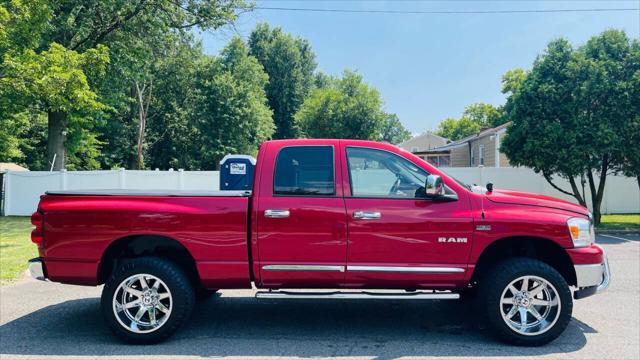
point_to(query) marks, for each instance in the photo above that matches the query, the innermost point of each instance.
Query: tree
(290, 63)
(572, 113)
(135, 33)
(483, 114)
(55, 80)
(392, 130)
(347, 108)
(474, 118)
(512, 80)
(230, 105)
(456, 129)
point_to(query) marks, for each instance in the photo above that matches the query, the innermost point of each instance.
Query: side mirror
(434, 187)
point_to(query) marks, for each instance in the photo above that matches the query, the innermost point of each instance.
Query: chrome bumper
(36, 269)
(592, 278)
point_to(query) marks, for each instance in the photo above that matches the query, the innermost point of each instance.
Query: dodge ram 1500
(347, 219)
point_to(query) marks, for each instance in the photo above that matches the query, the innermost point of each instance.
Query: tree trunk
(57, 127)
(142, 117)
(598, 194)
(574, 188)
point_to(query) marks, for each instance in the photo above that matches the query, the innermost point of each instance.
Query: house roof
(464, 141)
(424, 135)
(11, 167)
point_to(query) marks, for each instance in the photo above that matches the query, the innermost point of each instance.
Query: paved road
(45, 320)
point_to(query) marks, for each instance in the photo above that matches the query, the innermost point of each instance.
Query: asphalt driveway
(47, 320)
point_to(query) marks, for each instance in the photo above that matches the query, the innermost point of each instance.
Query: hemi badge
(483, 227)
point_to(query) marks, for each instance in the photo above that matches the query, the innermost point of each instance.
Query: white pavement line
(615, 237)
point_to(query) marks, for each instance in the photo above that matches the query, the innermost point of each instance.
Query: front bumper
(592, 278)
(37, 269)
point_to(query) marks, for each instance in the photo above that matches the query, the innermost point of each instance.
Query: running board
(357, 295)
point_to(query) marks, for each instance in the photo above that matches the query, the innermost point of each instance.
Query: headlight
(581, 231)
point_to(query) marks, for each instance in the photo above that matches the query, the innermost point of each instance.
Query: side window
(377, 173)
(481, 154)
(304, 170)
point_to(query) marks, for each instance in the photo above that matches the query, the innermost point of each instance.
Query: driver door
(394, 232)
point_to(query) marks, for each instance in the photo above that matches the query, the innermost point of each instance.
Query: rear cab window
(304, 171)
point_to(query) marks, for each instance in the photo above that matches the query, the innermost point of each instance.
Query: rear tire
(527, 302)
(146, 300)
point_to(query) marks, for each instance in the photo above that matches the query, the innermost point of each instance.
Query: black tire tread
(500, 275)
(172, 275)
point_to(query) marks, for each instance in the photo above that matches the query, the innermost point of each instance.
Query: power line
(364, 11)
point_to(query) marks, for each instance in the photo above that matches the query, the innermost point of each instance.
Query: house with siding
(422, 143)
(481, 149)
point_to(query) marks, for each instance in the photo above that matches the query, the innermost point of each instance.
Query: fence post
(63, 179)
(181, 179)
(7, 193)
(122, 179)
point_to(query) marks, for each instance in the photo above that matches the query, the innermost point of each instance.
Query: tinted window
(304, 170)
(377, 173)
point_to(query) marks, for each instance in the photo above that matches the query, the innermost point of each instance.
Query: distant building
(11, 167)
(481, 149)
(423, 142)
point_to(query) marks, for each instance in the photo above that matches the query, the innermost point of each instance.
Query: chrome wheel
(142, 303)
(530, 305)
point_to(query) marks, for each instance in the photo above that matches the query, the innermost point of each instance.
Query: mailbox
(236, 172)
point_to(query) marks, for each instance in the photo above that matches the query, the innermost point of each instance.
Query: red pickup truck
(343, 219)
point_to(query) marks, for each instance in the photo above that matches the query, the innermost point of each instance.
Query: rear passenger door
(301, 217)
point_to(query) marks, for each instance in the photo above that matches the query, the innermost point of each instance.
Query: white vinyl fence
(621, 194)
(23, 189)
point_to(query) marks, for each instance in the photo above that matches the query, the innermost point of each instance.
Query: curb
(613, 232)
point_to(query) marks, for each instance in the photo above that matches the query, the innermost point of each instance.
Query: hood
(525, 198)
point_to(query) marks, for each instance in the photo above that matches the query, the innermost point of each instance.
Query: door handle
(276, 214)
(366, 215)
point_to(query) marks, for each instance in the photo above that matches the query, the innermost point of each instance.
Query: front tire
(527, 302)
(146, 300)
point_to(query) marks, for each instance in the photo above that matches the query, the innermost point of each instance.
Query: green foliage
(392, 130)
(289, 62)
(231, 111)
(67, 56)
(456, 129)
(577, 110)
(474, 118)
(512, 80)
(70, 74)
(347, 108)
(55, 78)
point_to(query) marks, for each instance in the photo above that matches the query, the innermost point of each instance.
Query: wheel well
(145, 245)
(541, 249)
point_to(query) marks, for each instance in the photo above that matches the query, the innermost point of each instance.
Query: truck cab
(347, 219)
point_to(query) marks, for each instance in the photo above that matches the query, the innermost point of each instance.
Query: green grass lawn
(620, 222)
(16, 247)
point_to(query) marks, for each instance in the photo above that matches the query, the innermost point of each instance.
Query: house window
(473, 158)
(481, 154)
(414, 149)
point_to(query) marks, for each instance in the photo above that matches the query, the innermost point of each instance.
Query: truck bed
(81, 226)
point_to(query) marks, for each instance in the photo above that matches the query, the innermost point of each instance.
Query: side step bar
(357, 295)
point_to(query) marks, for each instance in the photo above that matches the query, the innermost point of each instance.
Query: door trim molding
(408, 269)
(359, 268)
(296, 267)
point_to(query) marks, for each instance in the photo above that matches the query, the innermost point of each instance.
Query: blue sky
(429, 67)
